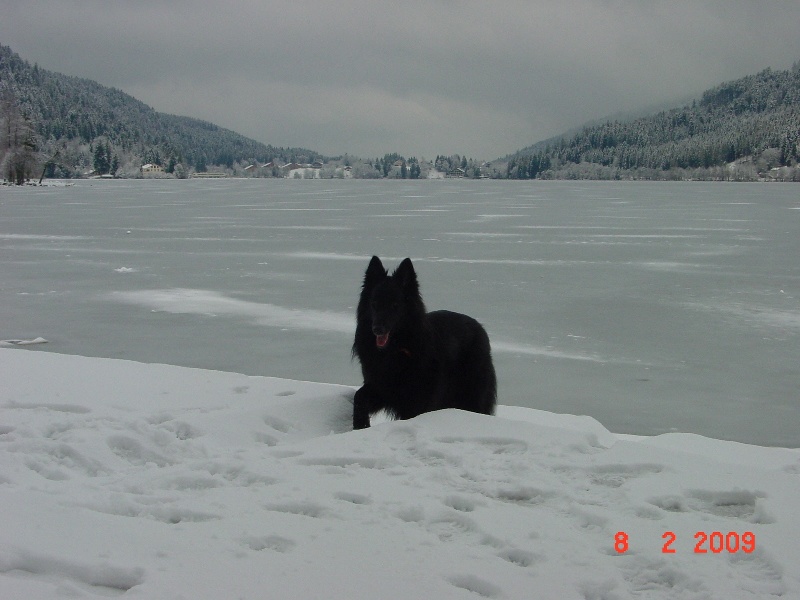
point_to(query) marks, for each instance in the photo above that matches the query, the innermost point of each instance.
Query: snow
(151, 481)
(38, 340)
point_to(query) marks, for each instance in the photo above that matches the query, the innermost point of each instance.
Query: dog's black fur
(415, 361)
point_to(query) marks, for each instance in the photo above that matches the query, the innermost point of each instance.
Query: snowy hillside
(160, 482)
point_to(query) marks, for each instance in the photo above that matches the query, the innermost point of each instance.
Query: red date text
(715, 542)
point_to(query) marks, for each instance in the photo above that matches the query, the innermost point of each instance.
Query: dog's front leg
(361, 408)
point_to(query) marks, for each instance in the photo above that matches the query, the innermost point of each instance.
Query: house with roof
(457, 172)
(150, 169)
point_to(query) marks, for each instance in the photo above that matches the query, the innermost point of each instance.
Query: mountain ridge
(73, 116)
(746, 129)
(741, 129)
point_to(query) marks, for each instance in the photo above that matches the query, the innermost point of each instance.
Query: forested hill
(746, 129)
(76, 116)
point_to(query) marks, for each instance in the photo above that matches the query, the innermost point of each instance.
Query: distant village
(350, 168)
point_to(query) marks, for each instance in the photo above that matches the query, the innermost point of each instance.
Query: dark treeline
(744, 129)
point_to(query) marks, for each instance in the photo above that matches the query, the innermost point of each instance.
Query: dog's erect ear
(407, 277)
(375, 272)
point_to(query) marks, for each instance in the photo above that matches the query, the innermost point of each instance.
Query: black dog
(414, 361)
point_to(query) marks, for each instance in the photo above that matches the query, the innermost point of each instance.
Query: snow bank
(152, 481)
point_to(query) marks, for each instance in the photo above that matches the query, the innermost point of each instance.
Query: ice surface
(206, 302)
(653, 307)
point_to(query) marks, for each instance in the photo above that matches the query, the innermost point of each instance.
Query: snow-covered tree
(18, 141)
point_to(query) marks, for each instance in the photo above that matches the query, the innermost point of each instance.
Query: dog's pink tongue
(382, 340)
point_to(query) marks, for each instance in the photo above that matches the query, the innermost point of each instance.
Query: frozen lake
(653, 307)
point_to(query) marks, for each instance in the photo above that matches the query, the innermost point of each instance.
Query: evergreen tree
(101, 163)
(414, 169)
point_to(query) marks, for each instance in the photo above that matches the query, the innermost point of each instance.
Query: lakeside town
(346, 168)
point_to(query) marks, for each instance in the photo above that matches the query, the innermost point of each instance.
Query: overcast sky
(479, 78)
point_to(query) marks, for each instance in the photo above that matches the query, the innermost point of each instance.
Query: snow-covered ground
(161, 482)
